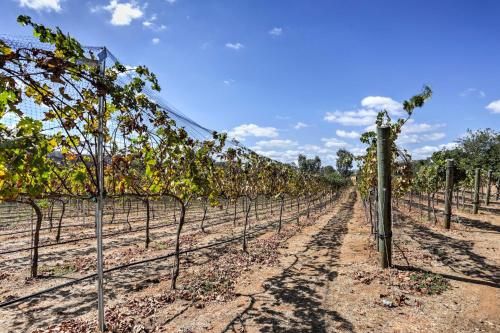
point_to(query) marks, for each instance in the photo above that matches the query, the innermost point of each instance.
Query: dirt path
(290, 297)
(328, 280)
(467, 259)
(297, 300)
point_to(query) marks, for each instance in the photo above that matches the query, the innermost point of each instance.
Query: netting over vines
(89, 149)
(34, 110)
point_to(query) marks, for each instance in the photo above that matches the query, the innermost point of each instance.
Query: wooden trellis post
(488, 188)
(448, 193)
(498, 187)
(477, 180)
(384, 195)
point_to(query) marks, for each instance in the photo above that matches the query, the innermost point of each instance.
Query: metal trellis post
(100, 197)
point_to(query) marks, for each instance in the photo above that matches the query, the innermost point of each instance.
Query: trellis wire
(210, 245)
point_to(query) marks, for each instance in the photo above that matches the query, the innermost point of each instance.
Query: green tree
(312, 165)
(333, 177)
(481, 149)
(344, 162)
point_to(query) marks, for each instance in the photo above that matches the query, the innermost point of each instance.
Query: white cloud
(290, 154)
(426, 151)
(473, 92)
(416, 138)
(276, 31)
(155, 40)
(414, 132)
(314, 149)
(228, 82)
(123, 13)
(361, 117)
(285, 156)
(246, 130)
(365, 116)
(329, 160)
(380, 103)
(300, 125)
(357, 151)
(333, 143)
(171, 1)
(413, 127)
(151, 24)
(372, 128)
(494, 106)
(235, 46)
(275, 144)
(39, 5)
(346, 134)
(287, 151)
(450, 145)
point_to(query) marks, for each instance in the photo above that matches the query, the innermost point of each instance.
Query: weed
(58, 269)
(429, 283)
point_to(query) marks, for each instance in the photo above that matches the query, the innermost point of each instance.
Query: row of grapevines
(54, 155)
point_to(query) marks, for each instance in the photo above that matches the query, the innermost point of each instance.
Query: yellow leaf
(5, 49)
(53, 142)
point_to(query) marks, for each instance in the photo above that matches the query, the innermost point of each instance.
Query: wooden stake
(477, 181)
(384, 196)
(448, 195)
(488, 188)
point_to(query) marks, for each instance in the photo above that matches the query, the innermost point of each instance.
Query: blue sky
(290, 77)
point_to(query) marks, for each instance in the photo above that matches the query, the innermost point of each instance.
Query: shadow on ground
(295, 300)
(76, 300)
(468, 222)
(457, 254)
